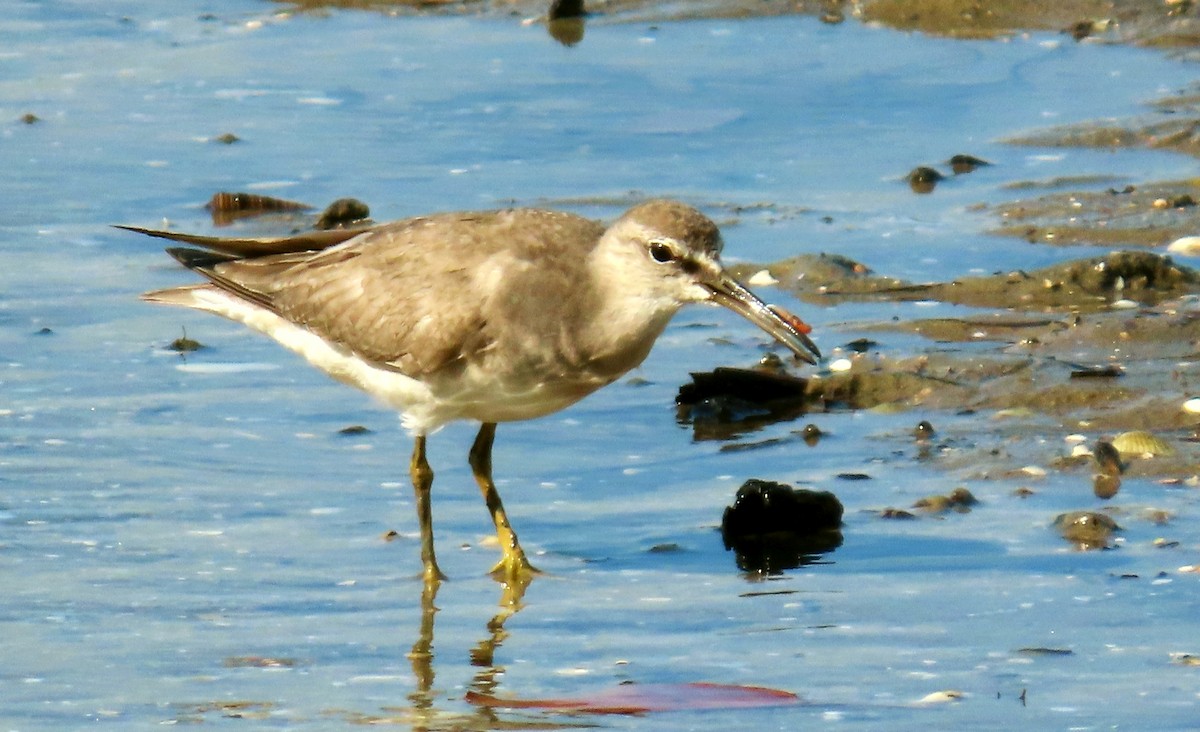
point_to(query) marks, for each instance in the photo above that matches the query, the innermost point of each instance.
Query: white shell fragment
(841, 364)
(1187, 246)
(762, 278)
(1192, 406)
(941, 697)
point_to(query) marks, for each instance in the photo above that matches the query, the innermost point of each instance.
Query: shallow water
(165, 521)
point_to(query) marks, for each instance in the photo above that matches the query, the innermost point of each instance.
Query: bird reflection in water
(425, 717)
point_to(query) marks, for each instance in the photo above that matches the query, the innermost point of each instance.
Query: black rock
(772, 526)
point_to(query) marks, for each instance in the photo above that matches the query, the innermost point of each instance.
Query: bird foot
(514, 567)
(432, 574)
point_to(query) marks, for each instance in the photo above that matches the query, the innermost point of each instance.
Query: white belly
(425, 406)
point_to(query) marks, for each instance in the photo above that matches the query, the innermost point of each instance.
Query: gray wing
(419, 295)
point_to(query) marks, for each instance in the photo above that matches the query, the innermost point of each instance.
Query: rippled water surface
(192, 539)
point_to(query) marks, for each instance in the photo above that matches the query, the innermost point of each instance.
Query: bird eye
(660, 252)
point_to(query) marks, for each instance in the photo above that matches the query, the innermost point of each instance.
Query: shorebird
(490, 316)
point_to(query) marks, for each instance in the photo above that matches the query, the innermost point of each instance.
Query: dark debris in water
(183, 344)
(225, 207)
(1087, 529)
(728, 402)
(773, 527)
(962, 164)
(1045, 651)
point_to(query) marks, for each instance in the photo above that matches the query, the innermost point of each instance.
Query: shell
(1187, 246)
(1140, 443)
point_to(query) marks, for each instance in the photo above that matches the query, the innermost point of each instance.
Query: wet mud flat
(978, 431)
(1093, 346)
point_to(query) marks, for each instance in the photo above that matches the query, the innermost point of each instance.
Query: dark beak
(782, 325)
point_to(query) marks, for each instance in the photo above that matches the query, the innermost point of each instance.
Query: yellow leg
(513, 564)
(422, 479)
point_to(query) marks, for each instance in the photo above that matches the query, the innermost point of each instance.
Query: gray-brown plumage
(491, 316)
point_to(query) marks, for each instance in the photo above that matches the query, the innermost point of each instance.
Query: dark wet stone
(1081, 30)
(30, 118)
(341, 212)
(962, 497)
(669, 548)
(226, 207)
(1106, 486)
(861, 345)
(811, 434)
(227, 138)
(566, 9)
(567, 31)
(962, 164)
(772, 526)
(1086, 529)
(853, 476)
(43, 332)
(1108, 458)
(727, 402)
(355, 429)
(924, 430)
(896, 513)
(1097, 372)
(745, 384)
(959, 500)
(923, 179)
